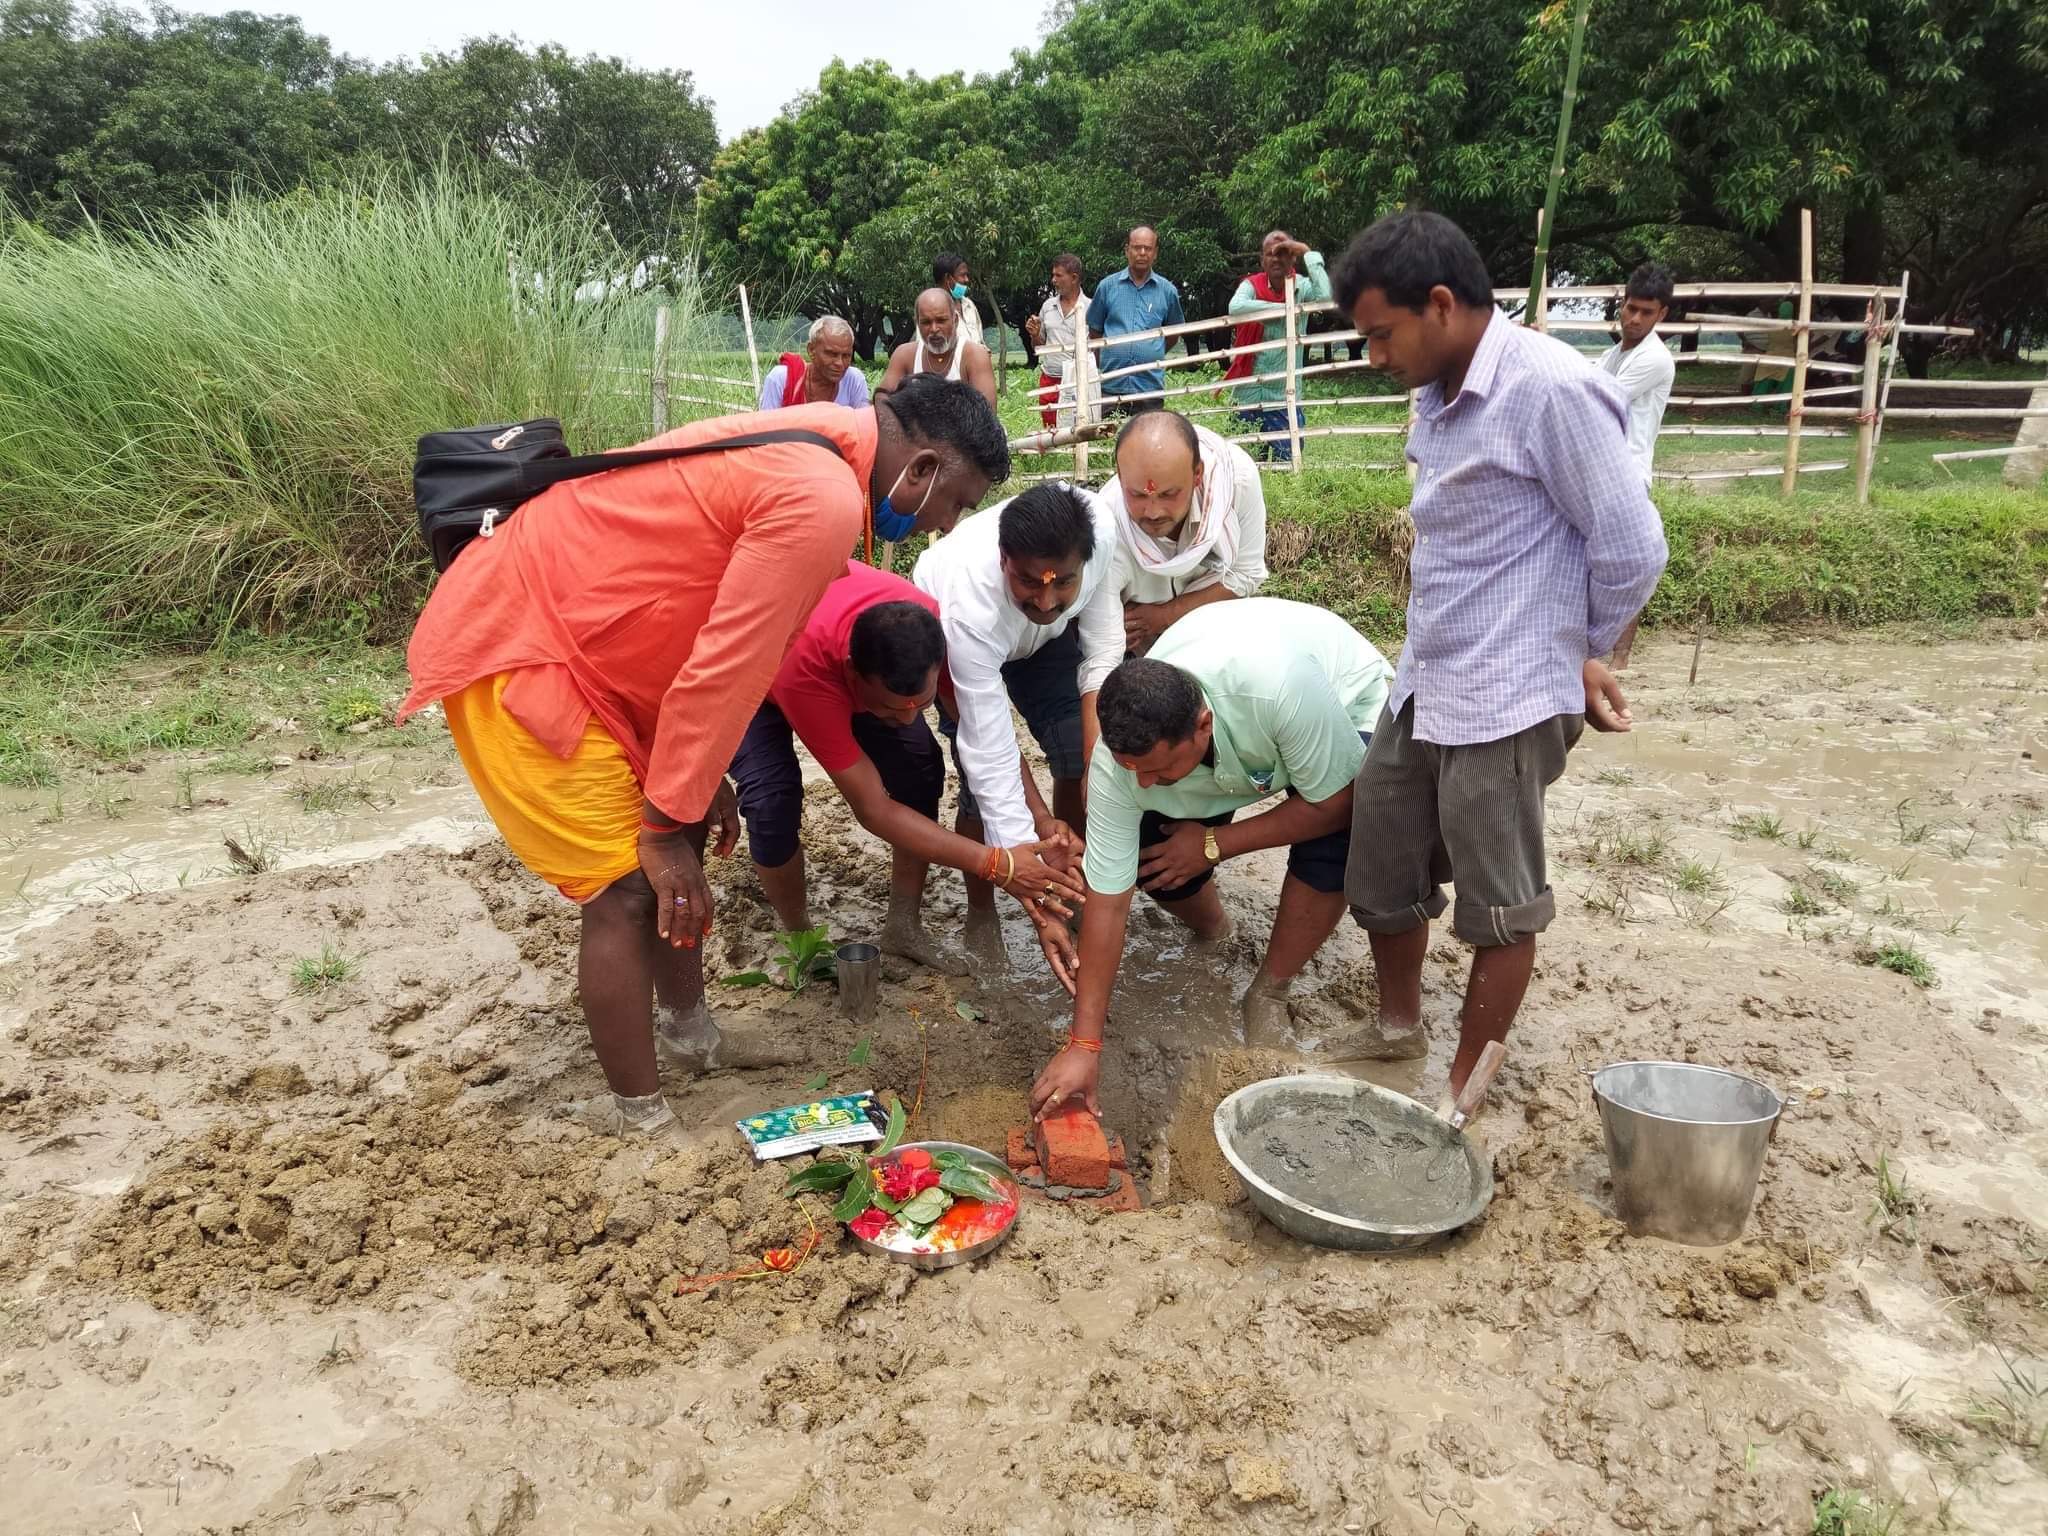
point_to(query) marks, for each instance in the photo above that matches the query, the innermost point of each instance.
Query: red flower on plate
(922, 1179)
(869, 1223)
(898, 1182)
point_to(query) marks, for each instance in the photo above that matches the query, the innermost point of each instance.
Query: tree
(976, 202)
(782, 201)
(636, 142)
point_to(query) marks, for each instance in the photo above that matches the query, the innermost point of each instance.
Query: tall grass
(213, 427)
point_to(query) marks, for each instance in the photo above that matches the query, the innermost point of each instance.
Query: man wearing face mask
(1210, 723)
(853, 689)
(949, 271)
(599, 656)
(1191, 523)
(1028, 601)
(939, 350)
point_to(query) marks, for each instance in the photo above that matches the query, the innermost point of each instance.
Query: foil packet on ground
(840, 1121)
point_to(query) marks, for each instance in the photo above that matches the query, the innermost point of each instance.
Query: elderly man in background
(1262, 402)
(940, 349)
(823, 374)
(1211, 724)
(949, 271)
(1191, 523)
(1056, 331)
(1134, 300)
(599, 657)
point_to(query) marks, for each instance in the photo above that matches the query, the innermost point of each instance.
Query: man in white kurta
(1191, 523)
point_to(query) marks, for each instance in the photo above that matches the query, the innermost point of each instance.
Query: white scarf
(1211, 523)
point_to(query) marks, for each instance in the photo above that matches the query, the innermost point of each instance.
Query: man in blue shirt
(1135, 299)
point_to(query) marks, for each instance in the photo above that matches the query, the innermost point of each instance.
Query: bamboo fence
(1081, 398)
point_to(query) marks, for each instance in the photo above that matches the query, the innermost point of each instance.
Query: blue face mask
(959, 290)
(890, 523)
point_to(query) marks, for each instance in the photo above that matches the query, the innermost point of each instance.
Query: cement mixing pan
(1389, 1175)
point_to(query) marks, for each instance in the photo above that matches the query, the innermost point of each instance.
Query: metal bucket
(1685, 1145)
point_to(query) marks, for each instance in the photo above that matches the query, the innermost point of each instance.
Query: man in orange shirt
(600, 655)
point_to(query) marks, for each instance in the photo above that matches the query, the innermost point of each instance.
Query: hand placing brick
(1072, 1149)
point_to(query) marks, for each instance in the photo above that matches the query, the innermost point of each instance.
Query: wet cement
(1345, 1158)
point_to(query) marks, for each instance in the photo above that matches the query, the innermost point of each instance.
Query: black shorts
(771, 782)
(1318, 863)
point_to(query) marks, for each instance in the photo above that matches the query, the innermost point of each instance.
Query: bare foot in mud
(1267, 1017)
(1370, 1042)
(690, 1040)
(910, 940)
(984, 935)
(693, 1042)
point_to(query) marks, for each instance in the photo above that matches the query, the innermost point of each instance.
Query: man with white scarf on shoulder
(1191, 523)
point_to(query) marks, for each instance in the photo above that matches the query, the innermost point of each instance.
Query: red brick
(1020, 1154)
(1116, 1151)
(1072, 1150)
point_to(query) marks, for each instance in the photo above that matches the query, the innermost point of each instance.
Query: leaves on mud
(897, 1121)
(827, 1174)
(860, 1194)
(746, 979)
(970, 1013)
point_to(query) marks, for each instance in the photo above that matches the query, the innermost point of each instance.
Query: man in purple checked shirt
(1535, 544)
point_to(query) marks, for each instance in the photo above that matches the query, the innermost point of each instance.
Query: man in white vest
(940, 349)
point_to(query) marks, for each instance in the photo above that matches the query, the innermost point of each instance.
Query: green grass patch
(1901, 959)
(316, 973)
(1847, 1512)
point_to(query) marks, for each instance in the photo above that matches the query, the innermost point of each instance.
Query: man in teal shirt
(1135, 299)
(1204, 726)
(1262, 404)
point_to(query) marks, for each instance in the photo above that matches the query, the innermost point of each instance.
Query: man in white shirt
(1028, 601)
(1055, 330)
(1191, 523)
(1641, 364)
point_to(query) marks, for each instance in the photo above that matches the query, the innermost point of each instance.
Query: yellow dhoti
(575, 820)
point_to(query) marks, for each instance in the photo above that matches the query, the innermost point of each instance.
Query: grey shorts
(1422, 814)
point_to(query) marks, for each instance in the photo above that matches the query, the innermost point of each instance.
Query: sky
(749, 58)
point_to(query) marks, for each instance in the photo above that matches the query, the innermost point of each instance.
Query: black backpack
(467, 482)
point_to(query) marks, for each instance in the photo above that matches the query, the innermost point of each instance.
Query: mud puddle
(168, 826)
(319, 1260)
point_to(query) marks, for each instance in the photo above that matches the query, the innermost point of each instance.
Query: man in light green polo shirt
(1235, 703)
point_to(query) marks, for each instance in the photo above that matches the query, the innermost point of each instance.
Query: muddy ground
(312, 1258)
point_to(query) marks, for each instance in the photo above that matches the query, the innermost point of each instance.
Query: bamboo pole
(1293, 383)
(1539, 317)
(1891, 364)
(1083, 361)
(1548, 219)
(753, 357)
(1941, 412)
(1866, 419)
(658, 375)
(1797, 407)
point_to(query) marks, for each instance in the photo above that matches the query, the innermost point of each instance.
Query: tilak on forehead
(1151, 484)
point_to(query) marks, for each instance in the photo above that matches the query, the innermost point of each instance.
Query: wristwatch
(1209, 849)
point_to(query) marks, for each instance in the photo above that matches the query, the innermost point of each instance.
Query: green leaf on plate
(895, 1131)
(926, 1207)
(944, 1160)
(971, 1182)
(860, 1194)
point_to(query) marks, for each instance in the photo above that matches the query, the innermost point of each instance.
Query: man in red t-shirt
(853, 689)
